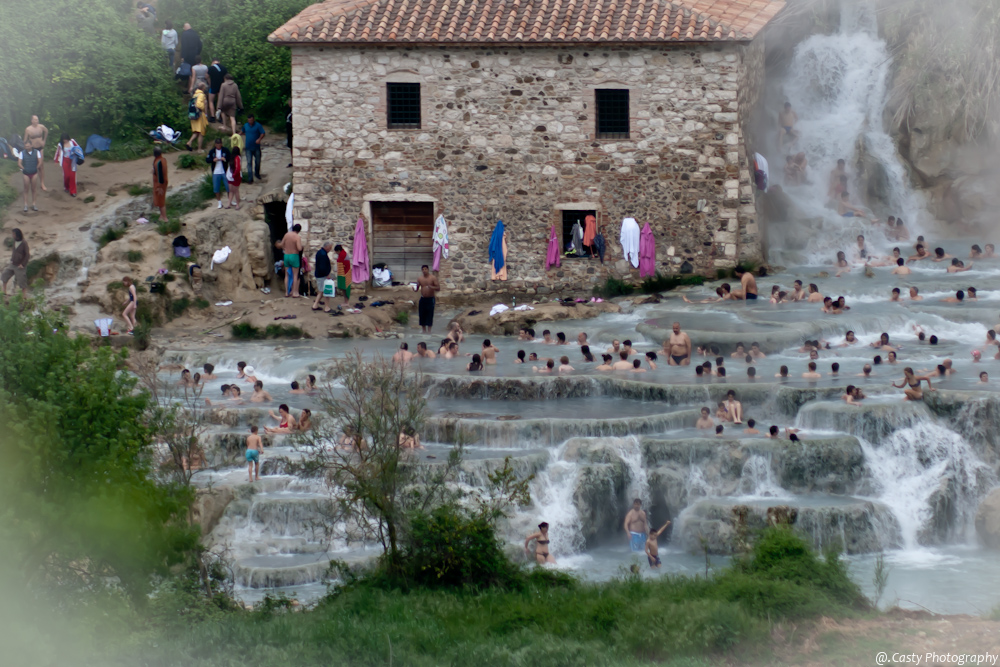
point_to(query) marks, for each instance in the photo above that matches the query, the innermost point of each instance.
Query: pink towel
(437, 258)
(360, 270)
(554, 256)
(647, 252)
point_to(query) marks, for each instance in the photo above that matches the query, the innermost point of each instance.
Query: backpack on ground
(194, 113)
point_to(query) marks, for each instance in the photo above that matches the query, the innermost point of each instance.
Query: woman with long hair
(67, 154)
(160, 182)
(235, 177)
(129, 313)
(911, 385)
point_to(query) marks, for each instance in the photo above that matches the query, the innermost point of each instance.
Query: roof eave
(660, 42)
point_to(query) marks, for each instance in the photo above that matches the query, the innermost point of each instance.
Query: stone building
(535, 113)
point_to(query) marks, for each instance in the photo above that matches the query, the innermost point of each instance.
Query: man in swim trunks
(428, 286)
(678, 347)
(291, 246)
(652, 548)
(254, 447)
(636, 526)
(748, 283)
(786, 125)
(35, 136)
(815, 296)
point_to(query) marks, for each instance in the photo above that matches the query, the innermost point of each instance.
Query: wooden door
(402, 237)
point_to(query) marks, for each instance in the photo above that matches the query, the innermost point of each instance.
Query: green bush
(89, 199)
(190, 161)
(96, 164)
(449, 548)
(139, 189)
(112, 233)
(661, 283)
(179, 306)
(177, 264)
(246, 331)
(36, 266)
(613, 287)
(402, 317)
(283, 331)
(201, 304)
(134, 256)
(168, 227)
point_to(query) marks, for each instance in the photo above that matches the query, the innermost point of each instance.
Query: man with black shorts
(216, 76)
(428, 286)
(678, 347)
(749, 291)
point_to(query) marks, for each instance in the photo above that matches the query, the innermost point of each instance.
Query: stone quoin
(499, 121)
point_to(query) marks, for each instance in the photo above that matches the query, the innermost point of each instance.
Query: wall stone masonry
(508, 133)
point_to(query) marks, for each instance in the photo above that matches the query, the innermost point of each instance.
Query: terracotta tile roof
(526, 21)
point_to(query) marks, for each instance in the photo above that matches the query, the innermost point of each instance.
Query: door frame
(366, 212)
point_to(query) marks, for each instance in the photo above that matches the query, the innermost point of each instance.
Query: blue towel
(496, 247)
(95, 142)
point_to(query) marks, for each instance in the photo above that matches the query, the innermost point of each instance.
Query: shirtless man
(627, 347)
(259, 395)
(787, 118)
(811, 374)
(35, 136)
(581, 338)
(636, 526)
(254, 447)
(547, 337)
(958, 266)
(291, 246)
(564, 365)
(915, 294)
(814, 294)
(751, 428)
(705, 421)
(895, 295)
(429, 287)
(921, 253)
(423, 352)
(755, 352)
(835, 174)
(901, 268)
(296, 389)
(678, 347)
(622, 364)
(402, 355)
(940, 255)
(489, 353)
(748, 283)
(798, 293)
(958, 298)
(652, 548)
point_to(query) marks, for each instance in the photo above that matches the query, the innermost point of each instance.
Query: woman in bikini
(541, 538)
(129, 313)
(286, 422)
(911, 383)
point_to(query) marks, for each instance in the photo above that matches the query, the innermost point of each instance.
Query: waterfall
(837, 84)
(552, 493)
(757, 479)
(630, 452)
(931, 479)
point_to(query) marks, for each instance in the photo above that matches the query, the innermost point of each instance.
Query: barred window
(403, 103)
(612, 114)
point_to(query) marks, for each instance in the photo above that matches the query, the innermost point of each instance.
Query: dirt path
(904, 635)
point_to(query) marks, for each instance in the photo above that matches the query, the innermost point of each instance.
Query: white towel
(104, 325)
(630, 241)
(220, 256)
(524, 307)
(497, 309)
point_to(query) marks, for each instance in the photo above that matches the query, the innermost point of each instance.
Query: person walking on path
(200, 122)
(168, 40)
(190, 45)
(129, 313)
(199, 75)
(254, 447)
(35, 136)
(216, 77)
(234, 177)
(254, 133)
(218, 159)
(323, 270)
(18, 267)
(68, 153)
(160, 182)
(429, 287)
(230, 103)
(30, 164)
(291, 246)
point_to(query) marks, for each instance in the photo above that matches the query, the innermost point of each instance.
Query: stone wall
(509, 133)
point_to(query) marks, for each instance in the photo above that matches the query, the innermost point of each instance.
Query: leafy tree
(81, 505)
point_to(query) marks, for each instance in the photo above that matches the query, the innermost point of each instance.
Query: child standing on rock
(254, 447)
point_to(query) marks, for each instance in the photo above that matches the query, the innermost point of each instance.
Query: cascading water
(924, 468)
(757, 479)
(837, 84)
(552, 493)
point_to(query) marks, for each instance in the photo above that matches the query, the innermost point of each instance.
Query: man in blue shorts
(636, 526)
(254, 447)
